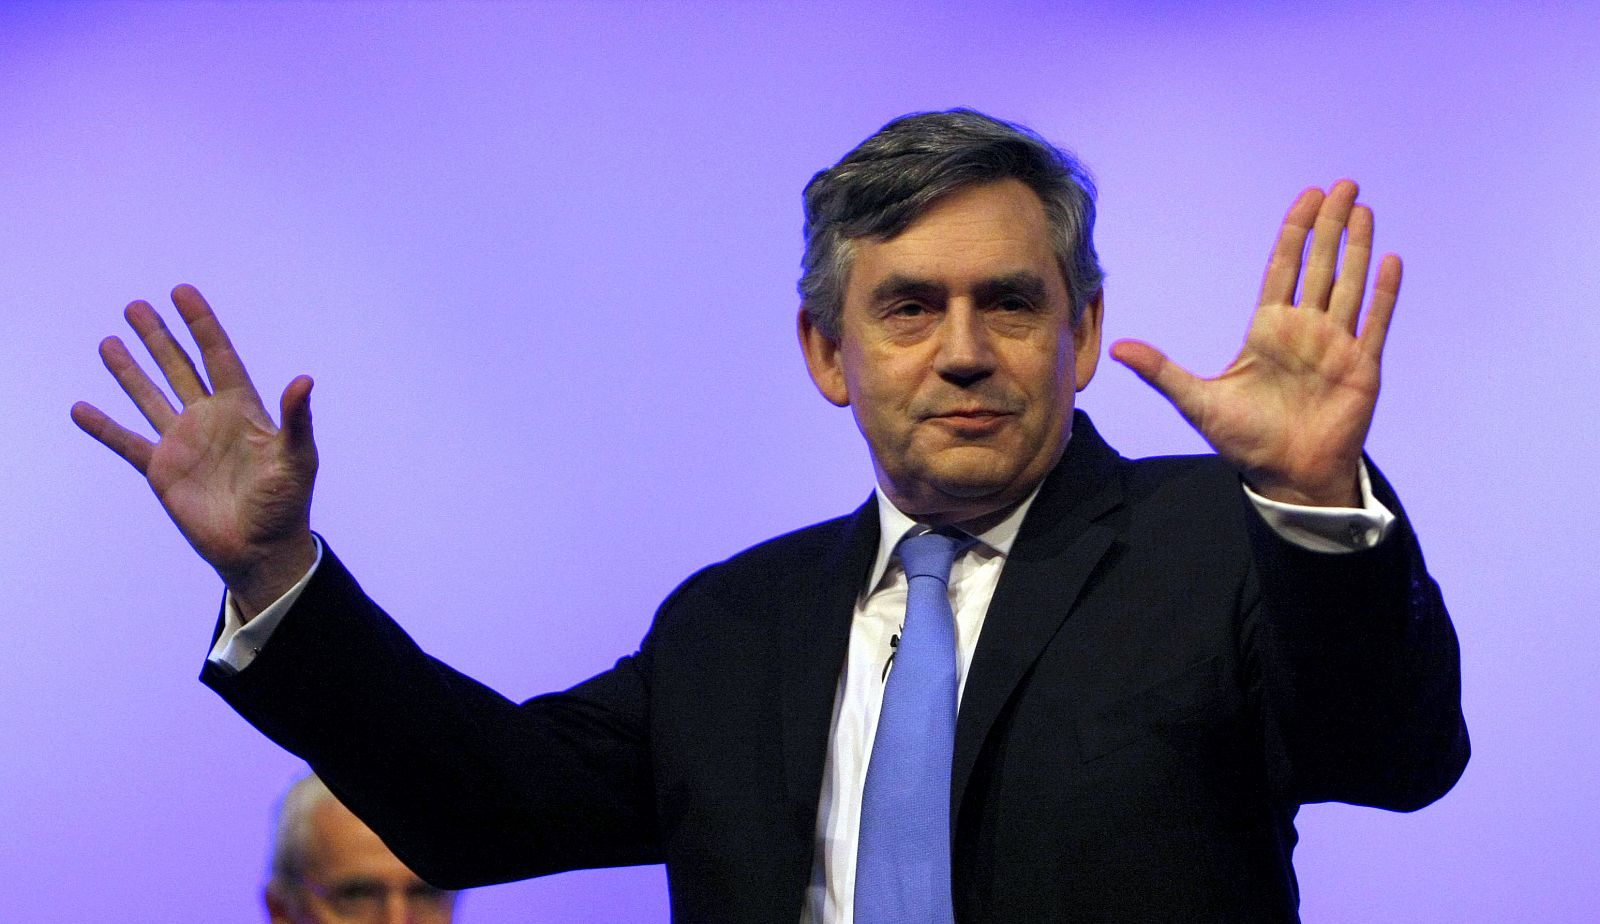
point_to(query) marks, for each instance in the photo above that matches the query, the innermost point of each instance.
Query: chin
(972, 483)
(972, 471)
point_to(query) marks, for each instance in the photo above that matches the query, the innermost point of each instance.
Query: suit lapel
(1057, 549)
(815, 636)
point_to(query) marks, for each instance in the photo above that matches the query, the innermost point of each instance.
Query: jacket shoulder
(791, 560)
(1195, 479)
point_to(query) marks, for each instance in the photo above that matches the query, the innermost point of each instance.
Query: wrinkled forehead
(991, 236)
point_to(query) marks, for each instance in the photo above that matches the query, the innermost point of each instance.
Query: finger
(1283, 267)
(151, 400)
(1385, 293)
(295, 407)
(169, 356)
(1317, 280)
(223, 365)
(1175, 383)
(133, 448)
(1345, 305)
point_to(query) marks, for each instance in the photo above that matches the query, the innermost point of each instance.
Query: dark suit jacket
(1160, 683)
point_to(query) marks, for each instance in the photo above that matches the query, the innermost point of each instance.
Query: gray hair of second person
(291, 835)
(907, 166)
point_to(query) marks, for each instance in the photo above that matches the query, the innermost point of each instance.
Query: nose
(396, 910)
(965, 354)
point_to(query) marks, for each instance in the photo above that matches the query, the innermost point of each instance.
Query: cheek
(887, 383)
(1046, 372)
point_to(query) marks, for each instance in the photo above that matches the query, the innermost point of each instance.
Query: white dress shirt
(879, 611)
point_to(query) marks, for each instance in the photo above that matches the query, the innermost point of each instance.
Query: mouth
(971, 422)
(967, 413)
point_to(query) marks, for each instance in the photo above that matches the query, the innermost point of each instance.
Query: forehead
(342, 846)
(973, 235)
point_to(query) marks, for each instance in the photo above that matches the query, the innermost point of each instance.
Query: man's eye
(908, 310)
(1014, 303)
(359, 892)
(424, 894)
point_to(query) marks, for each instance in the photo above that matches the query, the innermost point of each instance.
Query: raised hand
(1292, 410)
(236, 485)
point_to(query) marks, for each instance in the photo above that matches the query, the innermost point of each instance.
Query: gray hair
(896, 175)
(291, 835)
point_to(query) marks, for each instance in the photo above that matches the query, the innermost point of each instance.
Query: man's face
(957, 354)
(352, 877)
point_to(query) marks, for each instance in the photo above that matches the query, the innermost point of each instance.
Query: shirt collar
(893, 525)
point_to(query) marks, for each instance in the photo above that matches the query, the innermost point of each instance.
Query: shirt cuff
(239, 642)
(1328, 529)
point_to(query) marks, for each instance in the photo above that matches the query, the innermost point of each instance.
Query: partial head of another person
(328, 867)
(951, 297)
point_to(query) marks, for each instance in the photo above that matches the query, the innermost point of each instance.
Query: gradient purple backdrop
(540, 260)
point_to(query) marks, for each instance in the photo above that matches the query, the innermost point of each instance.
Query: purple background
(541, 261)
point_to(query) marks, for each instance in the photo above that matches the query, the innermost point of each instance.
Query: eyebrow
(357, 882)
(1024, 283)
(898, 285)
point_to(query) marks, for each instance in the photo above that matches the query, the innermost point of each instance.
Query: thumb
(295, 406)
(1174, 382)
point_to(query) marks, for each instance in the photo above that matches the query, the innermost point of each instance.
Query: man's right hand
(237, 486)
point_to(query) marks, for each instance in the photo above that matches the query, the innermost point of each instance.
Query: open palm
(236, 485)
(1292, 410)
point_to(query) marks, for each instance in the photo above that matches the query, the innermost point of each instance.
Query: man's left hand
(1292, 410)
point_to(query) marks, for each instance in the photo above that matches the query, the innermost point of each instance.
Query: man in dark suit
(1156, 665)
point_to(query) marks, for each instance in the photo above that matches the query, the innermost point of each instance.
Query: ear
(278, 910)
(1086, 340)
(823, 361)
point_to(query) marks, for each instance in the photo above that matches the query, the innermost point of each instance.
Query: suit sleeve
(1356, 671)
(464, 785)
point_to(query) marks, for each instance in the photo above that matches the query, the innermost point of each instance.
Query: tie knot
(931, 554)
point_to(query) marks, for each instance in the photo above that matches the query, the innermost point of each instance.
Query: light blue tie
(903, 854)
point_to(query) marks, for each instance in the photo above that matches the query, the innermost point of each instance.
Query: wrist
(1340, 492)
(272, 574)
